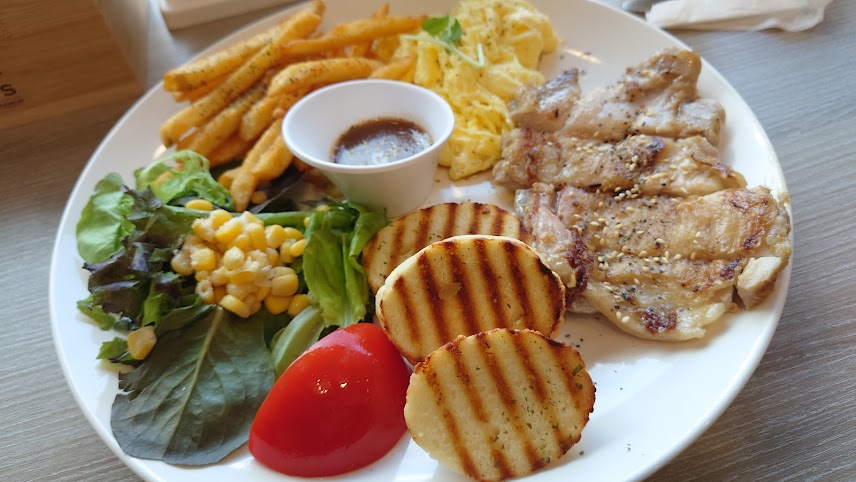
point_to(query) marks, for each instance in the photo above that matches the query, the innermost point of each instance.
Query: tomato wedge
(338, 407)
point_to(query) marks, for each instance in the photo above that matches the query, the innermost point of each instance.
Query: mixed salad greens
(193, 398)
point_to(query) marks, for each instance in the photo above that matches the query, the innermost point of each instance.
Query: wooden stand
(58, 56)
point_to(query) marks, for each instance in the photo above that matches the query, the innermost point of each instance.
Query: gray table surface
(794, 420)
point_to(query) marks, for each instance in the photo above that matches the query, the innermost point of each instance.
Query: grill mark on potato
(397, 244)
(429, 283)
(414, 330)
(466, 303)
(450, 423)
(522, 349)
(508, 401)
(422, 228)
(489, 275)
(477, 405)
(513, 262)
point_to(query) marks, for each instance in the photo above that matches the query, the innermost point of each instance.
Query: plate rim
(738, 379)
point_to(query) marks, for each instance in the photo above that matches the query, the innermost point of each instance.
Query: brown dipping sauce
(380, 141)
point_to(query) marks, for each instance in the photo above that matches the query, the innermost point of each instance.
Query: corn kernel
(250, 218)
(233, 258)
(240, 290)
(272, 256)
(322, 208)
(204, 260)
(285, 285)
(263, 291)
(235, 305)
(281, 271)
(180, 263)
(293, 233)
(219, 276)
(260, 257)
(243, 276)
(219, 218)
(219, 293)
(202, 275)
(285, 256)
(253, 303)
(297, 248)
(306, 221)
(242, 242)
(228, 231)
(298, 304)
(141, 342)
(203, 229)
(200, 204)
(277, 304)
(256, 233)
(205, 291)
(275, 235)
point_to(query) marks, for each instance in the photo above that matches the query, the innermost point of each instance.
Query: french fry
(303, 75)
(395, 70)
(258, 118)
(274, 161)
(185, 141)
(384, 48)
(228, 177)
(224, 124)
(286, 101)
(357, 31)
(229, 150)
(362, 49)
(197, 93)
(299, 25)
(245, 182)
(265, 111)
(203, 71)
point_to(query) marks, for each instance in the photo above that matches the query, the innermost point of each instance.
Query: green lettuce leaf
(102, 223)
(194, 398)
(114, 349)
(331, 265)
(188, 177)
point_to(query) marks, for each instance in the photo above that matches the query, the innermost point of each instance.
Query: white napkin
(790, 15)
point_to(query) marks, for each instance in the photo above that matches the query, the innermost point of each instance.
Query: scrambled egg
(513, 35)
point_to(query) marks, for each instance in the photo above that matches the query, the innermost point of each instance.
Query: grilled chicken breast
(547, 106)
(640, 164)
(408, 234)
(657, 97)
(563, 249)
(630, 204)
(727, 224)
(467, 284)
(499, 404)
(661, 267)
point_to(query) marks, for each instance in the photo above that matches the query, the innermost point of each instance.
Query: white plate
(653, 399)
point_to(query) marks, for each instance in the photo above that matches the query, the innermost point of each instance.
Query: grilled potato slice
(499, 404)
(408, 234)
(467, 284)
